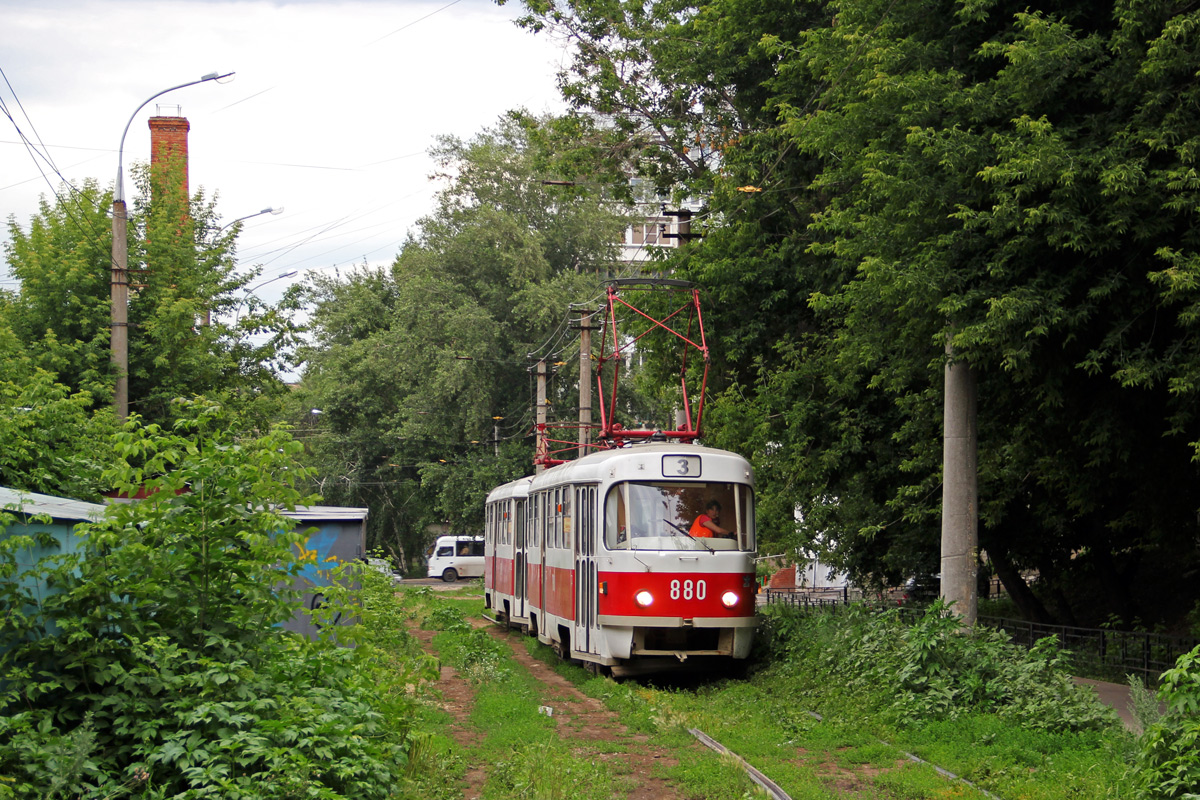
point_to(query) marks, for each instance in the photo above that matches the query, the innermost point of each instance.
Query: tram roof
(596, 466)
(599, 465)
(518, 488)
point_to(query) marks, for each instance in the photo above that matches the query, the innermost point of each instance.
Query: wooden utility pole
(960, 490)
(542, 450)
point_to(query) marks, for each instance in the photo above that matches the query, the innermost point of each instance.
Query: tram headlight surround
(730, 599)
(644, 599)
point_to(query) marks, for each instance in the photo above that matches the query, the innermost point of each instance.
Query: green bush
(1168, 763)
(474, 652)
(930, 670)
(445, 618)
(157, 668)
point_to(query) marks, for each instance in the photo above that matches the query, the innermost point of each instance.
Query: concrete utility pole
(119, 297)
(585, 378)
(541, 451)
(960, 490)
(119, 338)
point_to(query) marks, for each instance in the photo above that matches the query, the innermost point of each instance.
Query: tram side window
(522, 532)
(557, 519)
(616, 528)
(532, 521)
(535, 516)
(568, 522)
(585, 508)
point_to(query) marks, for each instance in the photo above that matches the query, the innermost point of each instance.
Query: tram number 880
(688, 590)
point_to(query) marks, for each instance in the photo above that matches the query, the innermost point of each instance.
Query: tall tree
(1017, 177)
(61, 308)
(415, 368)
(52, 440)
(181, 272)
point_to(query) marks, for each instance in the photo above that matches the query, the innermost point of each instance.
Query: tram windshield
(679, 516)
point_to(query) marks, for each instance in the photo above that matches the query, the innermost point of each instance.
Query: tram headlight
(643, 599)
(729, 599)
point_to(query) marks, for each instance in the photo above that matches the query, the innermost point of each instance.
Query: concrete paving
(1117, 696)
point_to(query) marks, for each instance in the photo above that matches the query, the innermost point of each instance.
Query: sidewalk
(1115, 695)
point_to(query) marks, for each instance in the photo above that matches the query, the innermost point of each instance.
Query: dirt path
(578, 718)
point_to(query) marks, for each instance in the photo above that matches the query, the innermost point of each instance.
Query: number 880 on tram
(633, 559)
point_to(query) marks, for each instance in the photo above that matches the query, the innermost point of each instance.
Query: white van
(454, 557)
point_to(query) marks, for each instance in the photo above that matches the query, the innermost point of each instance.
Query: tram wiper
(685, 533)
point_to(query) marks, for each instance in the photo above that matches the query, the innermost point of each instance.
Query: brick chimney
(169, 145)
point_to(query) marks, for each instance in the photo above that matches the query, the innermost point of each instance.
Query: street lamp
(273, 211)
(238, 309)
(119, 339)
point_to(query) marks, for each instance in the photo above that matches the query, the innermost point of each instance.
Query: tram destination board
(681, 466)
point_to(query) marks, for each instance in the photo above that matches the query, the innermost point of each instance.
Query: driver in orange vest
(708, 524)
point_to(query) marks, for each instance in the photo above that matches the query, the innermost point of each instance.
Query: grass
(1018, 763)
(763, 718)
(519, 746)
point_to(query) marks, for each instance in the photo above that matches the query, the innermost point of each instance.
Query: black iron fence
(1095, 652)
(1102, 652)
(812, 598)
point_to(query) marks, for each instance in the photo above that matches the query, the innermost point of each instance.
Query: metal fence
(1102, 652)
(812, 598)
(1096, 652)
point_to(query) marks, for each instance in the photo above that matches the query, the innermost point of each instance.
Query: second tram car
(604, 559)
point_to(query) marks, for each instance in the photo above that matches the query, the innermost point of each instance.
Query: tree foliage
(61, 310)
(421, 371)
(1018, 179)
(181, 274)
(152, 663)
(51, 439)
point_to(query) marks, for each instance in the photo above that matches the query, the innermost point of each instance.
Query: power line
(414, 22)
(35, 153)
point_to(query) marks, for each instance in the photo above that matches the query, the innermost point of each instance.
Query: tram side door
(534, 508)
(584, 528)
(520, 555)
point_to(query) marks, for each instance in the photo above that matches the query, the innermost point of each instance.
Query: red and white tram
(597, 556)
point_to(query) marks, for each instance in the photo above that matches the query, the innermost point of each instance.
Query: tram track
(591, 730)
(643, 765)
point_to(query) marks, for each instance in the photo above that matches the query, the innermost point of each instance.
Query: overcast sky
(329, 116)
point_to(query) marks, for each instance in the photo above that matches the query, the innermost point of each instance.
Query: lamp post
(119, 339)
(273, 211)
(238, 309)
(226, 226)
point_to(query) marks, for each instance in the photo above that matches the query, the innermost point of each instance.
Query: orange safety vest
(698, 530)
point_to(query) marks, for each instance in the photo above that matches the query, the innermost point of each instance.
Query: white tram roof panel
(518, 489)
(644, 461)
